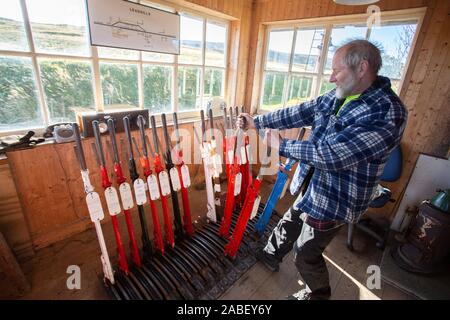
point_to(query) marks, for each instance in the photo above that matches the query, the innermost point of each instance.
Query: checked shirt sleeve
(293, 117)
(358, 143)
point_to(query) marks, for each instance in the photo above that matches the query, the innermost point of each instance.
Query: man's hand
(245, 122)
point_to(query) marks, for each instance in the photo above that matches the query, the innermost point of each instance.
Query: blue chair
(392, 172)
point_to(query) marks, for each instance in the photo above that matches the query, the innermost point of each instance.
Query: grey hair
(359, 50)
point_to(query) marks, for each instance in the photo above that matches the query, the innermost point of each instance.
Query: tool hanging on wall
(234, 180)
(174, 181)
(184, 178)
(153, 188)
(125, 195)
(249, 209)
(278, 190)
(217, 168)
(164, 186)
(94, 206)
(140, 193)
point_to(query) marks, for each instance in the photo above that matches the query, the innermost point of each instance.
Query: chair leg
(380, 239)
(351, 227)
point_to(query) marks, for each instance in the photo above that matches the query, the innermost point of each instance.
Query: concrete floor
(47, 270)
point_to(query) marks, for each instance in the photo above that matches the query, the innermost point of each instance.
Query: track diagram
(121, 24)
(120, 29)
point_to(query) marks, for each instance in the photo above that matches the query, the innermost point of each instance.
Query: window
(202, 62)
(191, 45)
(49, 71)
(339, 36)
(12, 29)
(396, 39)
(67, 87)
(158, 88)
(214, 82)
(298, 59)
(59, 26)
(119, 84)
(215, 44)
(19, 105)
(292, 66)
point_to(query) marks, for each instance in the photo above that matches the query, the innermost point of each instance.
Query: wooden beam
(10, 267)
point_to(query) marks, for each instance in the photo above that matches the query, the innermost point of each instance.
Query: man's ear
(363, 68)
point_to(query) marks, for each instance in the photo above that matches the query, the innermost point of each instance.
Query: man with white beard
(354, 127)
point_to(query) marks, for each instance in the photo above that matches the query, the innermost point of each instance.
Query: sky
(386, 35)
(54, 11)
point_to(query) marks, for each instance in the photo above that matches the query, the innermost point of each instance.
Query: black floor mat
(197, 268)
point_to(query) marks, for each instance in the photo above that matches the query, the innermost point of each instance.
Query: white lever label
(185, 176)
(139, 191)
(211, 214)
(94, 206)
(204, 152)
(249, 154)
(237, 183)
(243, 156)
(218, 164)
(255, 207)
(230, 156)
(86, 181)
(153, 187)
(112, 201)
(126, 196)
(164, 183)
(175, 179)
(285, 187)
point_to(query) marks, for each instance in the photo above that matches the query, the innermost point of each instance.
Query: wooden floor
(348, 270)
(348, 276)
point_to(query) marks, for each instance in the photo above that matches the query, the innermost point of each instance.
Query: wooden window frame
(327, 24)
(95, 61)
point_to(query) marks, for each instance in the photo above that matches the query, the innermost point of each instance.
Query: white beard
(346, 88)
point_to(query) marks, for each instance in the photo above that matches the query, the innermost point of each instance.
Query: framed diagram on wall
(127, 25)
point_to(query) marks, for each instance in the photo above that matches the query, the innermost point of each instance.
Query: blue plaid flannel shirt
(348, 151)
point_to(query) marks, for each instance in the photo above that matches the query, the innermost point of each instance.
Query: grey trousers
(308, 243)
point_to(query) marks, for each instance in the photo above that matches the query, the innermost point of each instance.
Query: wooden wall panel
(427, 96)
(45, 178)
(231, 8)
(239, 52)
(12, 222)
(425, 91)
